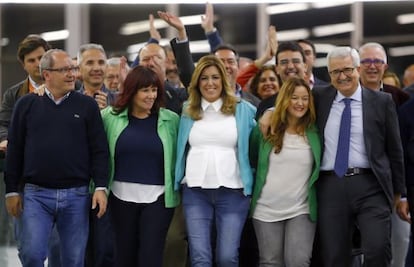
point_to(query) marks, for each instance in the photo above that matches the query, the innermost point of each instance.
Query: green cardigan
(167, 128)
(260, 150)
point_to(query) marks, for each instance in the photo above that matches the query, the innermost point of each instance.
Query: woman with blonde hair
(213, 167)
(287, 164)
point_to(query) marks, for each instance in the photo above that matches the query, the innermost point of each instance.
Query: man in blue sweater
(56, 144)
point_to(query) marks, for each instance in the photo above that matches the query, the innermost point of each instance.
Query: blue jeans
(224, 208)
(43, 208)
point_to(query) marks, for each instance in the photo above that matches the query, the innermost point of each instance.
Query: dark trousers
(100, 251)
(410, 198)
(249, 251)
(176, 243)
(140, 231)
(346, 202)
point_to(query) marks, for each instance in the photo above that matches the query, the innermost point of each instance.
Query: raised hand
(154, 33)
(175, 22)
(271, 47)
(207, 21)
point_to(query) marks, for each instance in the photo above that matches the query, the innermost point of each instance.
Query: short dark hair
(29, 44)
(226, 47)
(308, 42)
(290, 46)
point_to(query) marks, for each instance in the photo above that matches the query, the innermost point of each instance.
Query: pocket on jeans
(81, 191)
(32, 188)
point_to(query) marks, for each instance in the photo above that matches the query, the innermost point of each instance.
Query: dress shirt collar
(216, 104)
(33, 83)
(58, 101)
(357, 96)
(311, 80)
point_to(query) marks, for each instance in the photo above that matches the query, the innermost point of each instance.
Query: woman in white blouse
(287, 166)
(213, 165)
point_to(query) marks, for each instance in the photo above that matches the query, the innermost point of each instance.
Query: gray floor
(8, 257)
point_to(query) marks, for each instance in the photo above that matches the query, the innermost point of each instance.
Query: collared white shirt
(33, 83)
(212, 158)
(58, 101)
(357, 152)
(311, 81)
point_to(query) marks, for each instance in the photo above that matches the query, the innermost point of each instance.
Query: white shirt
(137, 193)
(285, 193)
(357, 153)
(212, 158)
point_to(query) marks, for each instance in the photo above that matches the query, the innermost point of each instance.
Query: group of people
(220, 165)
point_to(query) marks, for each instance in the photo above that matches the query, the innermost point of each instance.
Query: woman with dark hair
(142, 142)
(287, 164)
(265, 82)
(213, 165)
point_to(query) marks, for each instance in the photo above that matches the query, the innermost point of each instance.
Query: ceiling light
(401, 51)
(330, 4)
(55, 35)
(405, 18)
(286, 8)
(290, 35)
(324, 48)
(333, 29)
(143, 26)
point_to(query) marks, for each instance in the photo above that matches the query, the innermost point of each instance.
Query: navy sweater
(56, 146)
(139, 154)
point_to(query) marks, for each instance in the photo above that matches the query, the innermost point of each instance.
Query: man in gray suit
(372, 180)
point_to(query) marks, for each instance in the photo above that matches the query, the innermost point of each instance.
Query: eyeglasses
(377, 62)
(65, 69)
(346, 71)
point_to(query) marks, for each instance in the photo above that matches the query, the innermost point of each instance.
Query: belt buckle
(352, 172)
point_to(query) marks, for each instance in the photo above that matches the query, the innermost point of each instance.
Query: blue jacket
(245, 122)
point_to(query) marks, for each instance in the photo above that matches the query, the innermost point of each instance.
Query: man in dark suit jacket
(407, 133)
(375, 176)
(373, 59)
(310, 53)
(408, 80)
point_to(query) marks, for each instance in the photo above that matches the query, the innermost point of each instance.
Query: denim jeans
(285, 243)
(68, 210)
(226, 209)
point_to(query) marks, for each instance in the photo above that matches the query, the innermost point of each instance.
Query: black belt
(349, 172)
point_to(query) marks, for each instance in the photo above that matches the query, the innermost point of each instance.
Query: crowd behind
(227, 161)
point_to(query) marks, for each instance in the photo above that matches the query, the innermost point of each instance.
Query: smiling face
(299, 103)
(93, 67)
(372, 67)
(268, 84)
(60, 78)
(343, 82)
(229, 60)
(290, 64)
(143, 101)
(210, 84)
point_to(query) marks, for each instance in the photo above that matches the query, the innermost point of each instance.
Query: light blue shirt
(57, 101)
(357, 152)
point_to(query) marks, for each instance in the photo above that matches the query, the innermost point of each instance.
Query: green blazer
(167, 128)
(260, 150)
